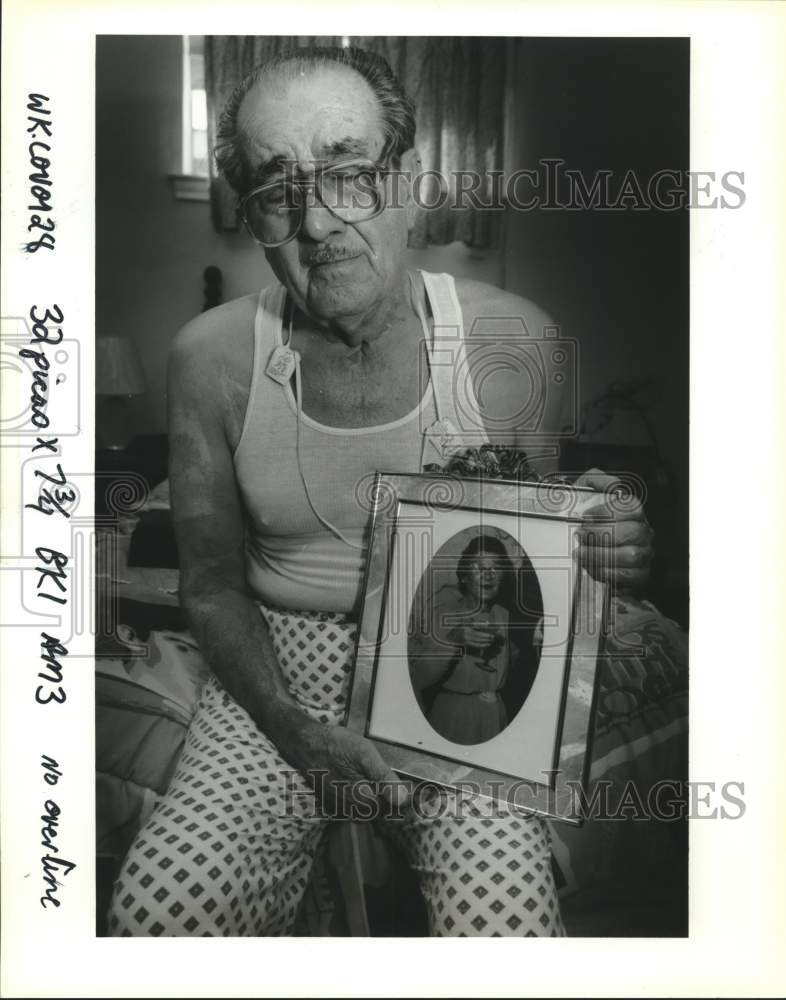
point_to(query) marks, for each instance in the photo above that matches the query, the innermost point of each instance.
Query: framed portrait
(479, 638)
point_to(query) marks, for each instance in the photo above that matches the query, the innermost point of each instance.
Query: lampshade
(118, 368)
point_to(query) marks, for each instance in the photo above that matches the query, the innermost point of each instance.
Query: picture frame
(454, 561)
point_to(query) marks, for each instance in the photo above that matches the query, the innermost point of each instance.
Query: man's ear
(410, 168)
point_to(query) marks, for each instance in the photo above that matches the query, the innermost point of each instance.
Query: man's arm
(209, 526)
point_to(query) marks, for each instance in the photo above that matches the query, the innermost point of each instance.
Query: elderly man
(281, 405)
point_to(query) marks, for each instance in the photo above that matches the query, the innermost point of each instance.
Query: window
(194, 107)
(191, 184)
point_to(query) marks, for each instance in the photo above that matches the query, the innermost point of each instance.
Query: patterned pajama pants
(229, 849)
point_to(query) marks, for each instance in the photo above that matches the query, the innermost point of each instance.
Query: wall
(616, 282)
(151, 249)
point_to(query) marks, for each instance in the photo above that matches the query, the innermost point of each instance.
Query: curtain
(458, 86)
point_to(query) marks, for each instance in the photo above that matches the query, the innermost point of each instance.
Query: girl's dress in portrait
(457, 686)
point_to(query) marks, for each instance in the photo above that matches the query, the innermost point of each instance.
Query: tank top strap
(268, 322)
(459, 423)
(269, 318)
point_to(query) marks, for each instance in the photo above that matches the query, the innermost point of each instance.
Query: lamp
(119, 376)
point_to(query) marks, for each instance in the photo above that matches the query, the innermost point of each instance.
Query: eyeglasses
(351, 191)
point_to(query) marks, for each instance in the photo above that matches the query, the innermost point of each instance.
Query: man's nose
(318, 221)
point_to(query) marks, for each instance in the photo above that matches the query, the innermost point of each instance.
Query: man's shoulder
(224, 334)
(499, 329)
(211, 364)
(484, 306)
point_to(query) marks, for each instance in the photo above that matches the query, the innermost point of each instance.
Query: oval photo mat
(520, 595)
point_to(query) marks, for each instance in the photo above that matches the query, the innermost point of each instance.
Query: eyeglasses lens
(273, 214)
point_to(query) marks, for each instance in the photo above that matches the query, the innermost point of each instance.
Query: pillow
(640, 739)
(149, 675)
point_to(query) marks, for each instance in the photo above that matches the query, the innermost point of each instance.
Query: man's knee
(208, 896)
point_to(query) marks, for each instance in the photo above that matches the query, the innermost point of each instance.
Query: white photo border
(557, 794)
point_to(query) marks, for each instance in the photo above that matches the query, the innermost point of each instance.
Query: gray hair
(398, 111)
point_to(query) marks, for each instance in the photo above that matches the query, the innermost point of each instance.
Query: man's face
(332, 269)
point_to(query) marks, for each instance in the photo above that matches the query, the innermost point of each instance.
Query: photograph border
(558, 796)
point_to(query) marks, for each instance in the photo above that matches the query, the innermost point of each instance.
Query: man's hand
(346, 771)
(618, 553)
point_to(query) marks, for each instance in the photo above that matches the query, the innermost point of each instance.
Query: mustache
(326, 255)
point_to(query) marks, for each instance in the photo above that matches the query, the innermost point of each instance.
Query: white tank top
(293, 560)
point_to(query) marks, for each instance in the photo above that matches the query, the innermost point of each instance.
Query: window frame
(188, 185)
